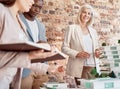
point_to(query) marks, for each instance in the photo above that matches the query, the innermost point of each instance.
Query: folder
(24, 46)
(58, 55)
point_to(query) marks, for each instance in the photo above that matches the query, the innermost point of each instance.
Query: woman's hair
(85, 6)
(7, 2)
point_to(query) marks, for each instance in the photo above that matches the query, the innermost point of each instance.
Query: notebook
(57, 55)
(24, 46)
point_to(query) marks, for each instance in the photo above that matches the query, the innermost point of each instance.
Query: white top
(88, 48)
(34, 29)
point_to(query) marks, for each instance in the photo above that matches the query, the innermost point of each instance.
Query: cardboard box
(101, 83)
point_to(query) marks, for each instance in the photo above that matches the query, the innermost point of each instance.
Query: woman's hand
(56, 68)
(40, 54)
(98, 52)
(83, 55)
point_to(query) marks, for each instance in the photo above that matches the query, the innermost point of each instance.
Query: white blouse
(88, 45)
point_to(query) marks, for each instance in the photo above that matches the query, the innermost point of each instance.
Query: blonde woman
(80, 44)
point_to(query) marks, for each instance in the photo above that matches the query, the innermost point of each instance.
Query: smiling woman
(86, 10)
(80, 44)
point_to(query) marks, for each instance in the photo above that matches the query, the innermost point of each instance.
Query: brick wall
(58, 14)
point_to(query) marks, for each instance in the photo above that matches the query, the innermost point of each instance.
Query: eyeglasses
(37, 6)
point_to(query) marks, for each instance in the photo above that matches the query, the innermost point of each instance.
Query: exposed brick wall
(58, 14)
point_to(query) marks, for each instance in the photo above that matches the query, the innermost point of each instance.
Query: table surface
(74, 88)
(67, 88)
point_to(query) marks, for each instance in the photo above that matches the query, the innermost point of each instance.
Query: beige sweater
(11, 61)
